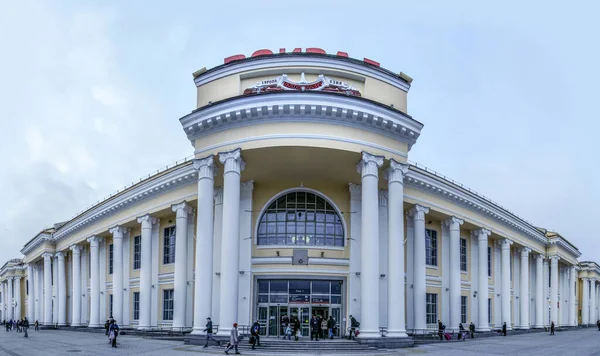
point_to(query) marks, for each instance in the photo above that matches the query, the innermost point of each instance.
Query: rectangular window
(110, 259)
(137, 252)
(168, 304)
(549, 276)
(463, 255)
(431, 308)
(27, 286)
(89, 264)
(431, 247)
(169, 245)
(489, 261)
(463, 309)
(489, 310)
(110, 298)
(510, 263)
(136, 305)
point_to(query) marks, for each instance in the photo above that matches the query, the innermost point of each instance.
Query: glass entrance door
(302, 314)
(276, 316)
(336, 313)
(262, 319)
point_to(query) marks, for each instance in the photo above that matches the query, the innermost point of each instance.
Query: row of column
(590, 301)
(11, 297)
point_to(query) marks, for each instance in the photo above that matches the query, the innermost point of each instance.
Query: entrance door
(336, 312)
(302, 314)
(263, 314)
(276, 315)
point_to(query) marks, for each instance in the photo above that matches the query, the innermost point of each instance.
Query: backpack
(255, 329)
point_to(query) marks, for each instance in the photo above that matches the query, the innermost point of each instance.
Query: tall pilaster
(592, 319)
(182, 211)
(117, 309)
(505, 294)
(395, 302)
(483, 283)
(76, 295)
(61, 289)
(47, 288)
(540, 301)
(17, 302)
(147, 222)
(554, 289)
(230, 251)
(94, 281)
(585, 302)
(55, 289)
(572, 286)
(31, 296)
(419, 287)
(453, 225)
(524, 297)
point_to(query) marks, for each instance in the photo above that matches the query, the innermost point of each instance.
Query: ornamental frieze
(283, 83)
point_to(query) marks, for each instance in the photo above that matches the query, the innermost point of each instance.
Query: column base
(396, 333)
(483, 329)
(144, 327)
(224, 332)
(369, 334)
(75, 324)
(198, 331)
(90, 325)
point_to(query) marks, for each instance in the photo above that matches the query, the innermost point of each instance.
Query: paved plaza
(51, 342)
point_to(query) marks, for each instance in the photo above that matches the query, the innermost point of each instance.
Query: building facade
(300, 200)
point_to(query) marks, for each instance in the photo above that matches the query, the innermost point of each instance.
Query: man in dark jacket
(255, 332)
(472, 330)
(504, 328)
(314, 328)
(552, 328)
(209, 333)
(25, 326)
(330, 326)
(440, 330)
(113, 331)
(354, 324)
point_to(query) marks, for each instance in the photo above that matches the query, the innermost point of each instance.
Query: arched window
(301, 218)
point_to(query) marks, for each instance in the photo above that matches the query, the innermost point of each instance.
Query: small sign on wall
(300, 257)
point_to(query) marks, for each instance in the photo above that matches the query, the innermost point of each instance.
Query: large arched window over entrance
(301, 218)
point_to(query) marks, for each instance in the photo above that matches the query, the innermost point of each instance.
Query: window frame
(169, 245)
(137, 252)
(136, 306)
(110, 301)
(431, 300)
(490, 311)
(111, 255)
(168, 302)
(489, 262)
(431, 255)
(464, 256)
(464, 300)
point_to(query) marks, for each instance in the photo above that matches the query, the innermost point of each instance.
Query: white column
(146, 271)
(55, 289)
(182, 211)
(94, 281)
(453, 225)
(524, 298)
(47, 288)
(482, 295)
(505, 294)
(17, 303)
(61, 289)
(572, 297)
(395, 301)
(31, 297)
(540, 301)
(117, 290)
(554, 289)
(419, 286)
(592, 319)
(233, 165)
(76, 295)
(39, 293)
(585, 302)
(369, 247)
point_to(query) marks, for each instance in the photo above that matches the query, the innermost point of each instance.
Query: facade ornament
(369, 165)
(147, 221)
(418, 212)
(396, 172)
(205, 167)
(453, 223)
(283, 83)
(182, 210)
(232, 161)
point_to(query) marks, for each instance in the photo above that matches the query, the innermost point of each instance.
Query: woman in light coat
(233, 340)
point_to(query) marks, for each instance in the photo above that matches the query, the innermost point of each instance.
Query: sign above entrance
(314, 50)
(283, 83)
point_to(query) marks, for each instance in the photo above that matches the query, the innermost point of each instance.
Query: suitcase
(447, 336)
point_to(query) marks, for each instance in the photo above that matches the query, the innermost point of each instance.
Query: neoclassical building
(300, 201)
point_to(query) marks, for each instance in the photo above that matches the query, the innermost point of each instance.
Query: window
(489, 261)
(431, 247)
(463, 309)
(110, 259)
(27, 287)
(575, 288)
(301, 218)
(89, 264)
(463, 256)
(168, 304)
(431, 308)
(169, 248)
(489, 310)
(549, 276)
(136, 305)
(110, 298)
(510, 263)
(137, 252)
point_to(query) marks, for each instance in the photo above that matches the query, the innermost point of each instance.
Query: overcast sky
(91, 93)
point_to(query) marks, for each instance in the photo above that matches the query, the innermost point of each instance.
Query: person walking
(331, 326)
(37, 326)
(209, 333)
(314, 328)
(472, 330)
(25, 326)
(552, 328)
(255, 332)
(233, 340)
(598, 325)
(354, 324)
(440, 330)
(296, 328)
(504, 328)
(106, 326)
(113, 332)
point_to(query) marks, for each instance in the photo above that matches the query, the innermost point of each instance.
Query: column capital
(453, 223)
(76, 249)
(554, 258)
(369, 165)
(505, 244)
(47, 256)
(60, 255)
(246, 189)
(232, 161)
(396, 172)
(218, 196)
(355, 191)
(418, 212)
(481, 234)
(539, 257)
(182, 209)
(147, 221)
(383, 198)
(94, 241)
(118, 231)
(525, 251)
(205, 167)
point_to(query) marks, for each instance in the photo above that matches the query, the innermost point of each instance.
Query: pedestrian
(472, 330)
(331, 326)
(552, 328)
(314, 328)
(233, 340)
(504, 328)
(598, 325)
(288, 332)
(25, 326)
(324, 333)
(461, 332)
(354, 324)
(209, 333)
(106, 326)
(296, 328)
(255, 332)
(113, 332)
(37, 326)
(440, 330)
